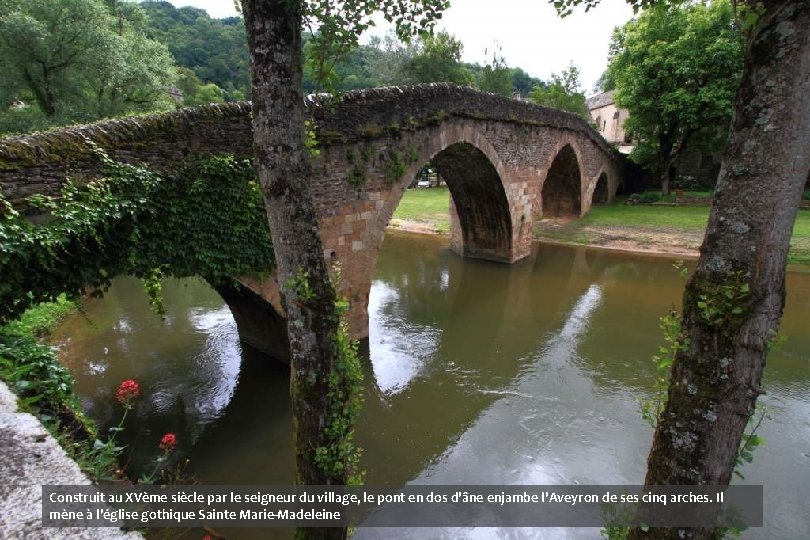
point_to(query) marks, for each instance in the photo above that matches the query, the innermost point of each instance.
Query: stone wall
(39, 163)
(494, 153)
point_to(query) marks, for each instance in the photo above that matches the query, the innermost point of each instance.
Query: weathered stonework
(495, 154)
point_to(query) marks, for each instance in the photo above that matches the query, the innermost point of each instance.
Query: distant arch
(601, 191)
(562, 190)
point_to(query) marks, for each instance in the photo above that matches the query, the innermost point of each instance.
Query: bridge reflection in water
(479, 373)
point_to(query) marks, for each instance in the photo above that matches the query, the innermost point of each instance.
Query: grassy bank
(44, 387)
(41, 320)
(425, 206)
(669, 229)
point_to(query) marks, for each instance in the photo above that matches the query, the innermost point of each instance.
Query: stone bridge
(506, 163)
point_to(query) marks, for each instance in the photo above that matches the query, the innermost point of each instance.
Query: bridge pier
(505, 162)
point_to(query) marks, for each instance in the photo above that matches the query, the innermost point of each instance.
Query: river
(479, 373)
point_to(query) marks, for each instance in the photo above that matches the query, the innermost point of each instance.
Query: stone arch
(561, 195)
(601, 190)
(479, 203)
(480, 211)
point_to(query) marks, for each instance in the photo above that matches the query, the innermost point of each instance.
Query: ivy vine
(208, 221)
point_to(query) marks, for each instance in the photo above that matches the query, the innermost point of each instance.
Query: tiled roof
(600, 100)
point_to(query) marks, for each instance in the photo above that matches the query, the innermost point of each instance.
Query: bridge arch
(600, 193)
(371, 143)
(561, 194)
(480, 211)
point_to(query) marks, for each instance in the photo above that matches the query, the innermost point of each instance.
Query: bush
(648, 197)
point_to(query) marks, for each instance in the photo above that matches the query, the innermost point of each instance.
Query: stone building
(693, 169)
(609, 120)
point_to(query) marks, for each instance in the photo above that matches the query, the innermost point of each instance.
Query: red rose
(168, 442)
(127, 392)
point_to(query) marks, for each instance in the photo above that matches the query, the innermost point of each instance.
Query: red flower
(127, 392)
(168, 442)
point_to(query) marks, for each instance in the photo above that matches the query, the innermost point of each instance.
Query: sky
(529, 33)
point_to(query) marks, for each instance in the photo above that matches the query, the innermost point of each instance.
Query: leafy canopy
(563, 93)
(496, 77)
(676, 71)
(438, 59)
(78, 60)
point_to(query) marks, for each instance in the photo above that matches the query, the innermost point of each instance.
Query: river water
(479, 373)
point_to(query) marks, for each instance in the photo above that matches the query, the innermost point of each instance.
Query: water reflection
(478, 373)
(187, 366)
(401, 348)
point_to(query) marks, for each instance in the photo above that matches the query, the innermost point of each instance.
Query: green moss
(370, 131)
(393, 167)
(357, 176)
(327, 136)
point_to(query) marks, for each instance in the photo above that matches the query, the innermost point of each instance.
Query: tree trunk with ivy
(283, 165)
(734, 300)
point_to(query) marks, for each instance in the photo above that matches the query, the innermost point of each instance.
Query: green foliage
(77, 60)
(154, 290)
(196, 93)
(209, 221)
(438, 59)
(300, 287)
(215, 50)
(648, 197)
(722, 305)
(341, 455)
(496, 77)
(523, 83)
(32, 372)
(394, 166)
(40, 320)
(675, 341)
(563, 93)
(357, 176)
(311, 140)
(676, 71)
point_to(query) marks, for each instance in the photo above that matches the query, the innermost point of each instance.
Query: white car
(423, 183)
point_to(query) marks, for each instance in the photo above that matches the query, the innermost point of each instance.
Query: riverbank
(648, 229)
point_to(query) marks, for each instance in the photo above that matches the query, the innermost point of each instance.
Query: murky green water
(479, 373)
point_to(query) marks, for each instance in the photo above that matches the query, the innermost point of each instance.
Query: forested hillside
(69, 61)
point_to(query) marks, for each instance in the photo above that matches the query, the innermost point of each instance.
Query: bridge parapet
(369, 113)
(39, 163)
(505, 163)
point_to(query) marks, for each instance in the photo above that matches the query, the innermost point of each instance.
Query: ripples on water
(480, 374)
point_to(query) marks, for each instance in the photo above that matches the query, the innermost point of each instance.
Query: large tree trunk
(283, 165)
(716, 380)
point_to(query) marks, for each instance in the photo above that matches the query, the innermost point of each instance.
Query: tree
(733, 301)
(215, 49)
(523, 83)
(496, 77)
(438, 59)
(676, 70)
(79, 60)
(563, 93)
(283, 163)
(605, 82)
(387, 57)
